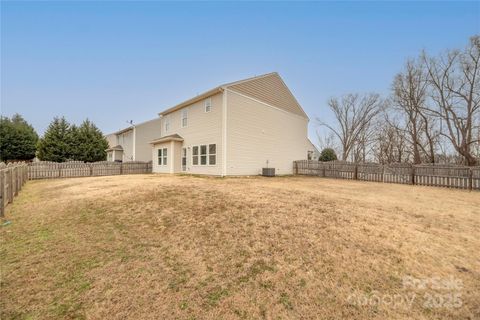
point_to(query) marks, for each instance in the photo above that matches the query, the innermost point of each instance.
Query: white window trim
(196, 155)
(208, 103)
(210, 154)
(184, 156)
(199, 155)
(184, 111)
(163, 157)
(166, 124)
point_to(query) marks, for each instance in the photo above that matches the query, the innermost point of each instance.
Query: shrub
(327, 154)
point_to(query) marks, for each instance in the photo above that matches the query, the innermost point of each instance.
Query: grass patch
(157, 246)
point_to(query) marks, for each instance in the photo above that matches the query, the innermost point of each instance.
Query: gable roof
(117, 148)
(133, 126)
(271, 90)
(123, 130)
(268, 88)
(172, 137)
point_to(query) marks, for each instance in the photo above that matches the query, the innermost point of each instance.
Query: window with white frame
(212, 154)
(195, 155)
(204, 155)
(166, 123)
(184, 117)
(208, 105)
(162, 157)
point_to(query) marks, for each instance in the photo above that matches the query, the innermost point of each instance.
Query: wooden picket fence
(72, 169)
(449, 176)
(14, 175)
(12, 178)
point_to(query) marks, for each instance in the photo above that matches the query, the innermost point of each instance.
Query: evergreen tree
(89, 143)
(56, 144)
(73, 150)
(327, 154)
(18, 139)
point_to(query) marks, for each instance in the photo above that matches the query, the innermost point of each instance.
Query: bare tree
(409, 99)
(354, 114)
(363, 147)
(454, 81)
(327, 140)
(390, 142)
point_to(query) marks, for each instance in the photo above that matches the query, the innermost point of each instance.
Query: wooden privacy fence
(449, 176)
(12, 178)
(54, 170)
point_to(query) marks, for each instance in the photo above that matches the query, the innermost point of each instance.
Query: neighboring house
(234, 129)
(133, 143)
(313, 153)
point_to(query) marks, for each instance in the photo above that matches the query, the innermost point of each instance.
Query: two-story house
(133, 143)
(234, 129)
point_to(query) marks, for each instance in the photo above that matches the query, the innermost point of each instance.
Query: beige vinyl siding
(144, 133)
(111, 139)
(176, 156)
(154, 152)
(125, 139)
(257, 133)
(272, 90)
(203, 128)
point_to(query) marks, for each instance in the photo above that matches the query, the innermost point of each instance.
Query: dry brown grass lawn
(158, 247)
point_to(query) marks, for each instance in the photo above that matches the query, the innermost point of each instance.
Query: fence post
(355, 171)
(17, 182)
(10, 182)
(413, 175)
(2, 193)
(470, 179)
(14, 183)
(121, 168)
(91, 169)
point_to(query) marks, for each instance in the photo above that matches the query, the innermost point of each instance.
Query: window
(212, 154)
(208, 105)
(203, 155)
(167, 123)
(206, 153)
(184, 117)
(162, 157)
(195, 156)
(184, 159)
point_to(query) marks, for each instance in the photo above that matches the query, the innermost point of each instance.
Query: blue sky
(118, 61)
